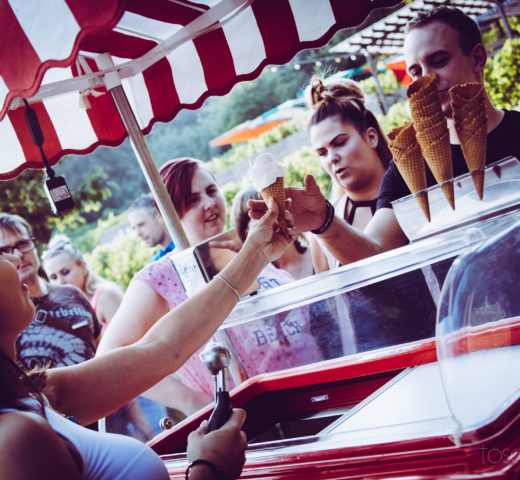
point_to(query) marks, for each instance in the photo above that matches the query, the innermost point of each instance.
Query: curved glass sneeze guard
(478, 331)
(501, 192)
(385, 300)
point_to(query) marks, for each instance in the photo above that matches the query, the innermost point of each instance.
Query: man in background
(65, 330)
(146, 221)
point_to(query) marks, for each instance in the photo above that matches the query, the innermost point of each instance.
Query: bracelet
(328, 219)
(211, 465)
(231, 287)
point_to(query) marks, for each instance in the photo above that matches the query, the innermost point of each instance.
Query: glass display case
(341, 366)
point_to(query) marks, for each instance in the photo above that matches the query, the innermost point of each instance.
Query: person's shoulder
(31, 447)
(111, 289)
(392, 187)
(110, 292)
(24, 430)
(512, 116)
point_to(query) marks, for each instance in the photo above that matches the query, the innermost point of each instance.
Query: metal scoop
(217, 359)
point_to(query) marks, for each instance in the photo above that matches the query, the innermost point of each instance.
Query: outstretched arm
(346, 243)
(92, 389)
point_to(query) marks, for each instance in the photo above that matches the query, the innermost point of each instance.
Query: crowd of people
(68, 343)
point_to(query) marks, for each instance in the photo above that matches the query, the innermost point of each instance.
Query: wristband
(328, 219)
(218, 474)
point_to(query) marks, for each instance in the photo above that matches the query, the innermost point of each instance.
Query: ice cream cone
(267, 175)
(432, 131)
(470, 120)
(276, 191)
(409, 161)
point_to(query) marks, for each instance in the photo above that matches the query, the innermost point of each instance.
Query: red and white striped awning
(168, 54)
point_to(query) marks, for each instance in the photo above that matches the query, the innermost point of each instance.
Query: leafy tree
(502, 73)
(398, 113)
(120, 259)
(26, 197)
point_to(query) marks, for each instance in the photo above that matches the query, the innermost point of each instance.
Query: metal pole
(154, 180)
(503, 14)
(372, 62)
(158, 189)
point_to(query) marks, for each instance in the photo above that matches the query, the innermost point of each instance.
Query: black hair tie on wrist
(218, 474)
(328, 219)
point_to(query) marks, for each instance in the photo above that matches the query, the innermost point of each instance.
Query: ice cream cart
(390, 387)
(435, 396)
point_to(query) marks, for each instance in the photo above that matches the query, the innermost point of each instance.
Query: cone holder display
(501, 194)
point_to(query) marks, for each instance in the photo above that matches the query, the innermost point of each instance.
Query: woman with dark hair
(352, 149)
(36, 438)
(157, 288)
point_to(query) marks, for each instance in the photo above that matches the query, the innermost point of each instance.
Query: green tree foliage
(398, 113)
(306, 162)
(121, 258)
(387, 79)
(120, 168)
(501, 75)
(26, 197)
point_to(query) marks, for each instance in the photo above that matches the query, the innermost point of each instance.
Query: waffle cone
(470, 120)
(432, 131)
(437, 153)
(277, 192)
(409, 161)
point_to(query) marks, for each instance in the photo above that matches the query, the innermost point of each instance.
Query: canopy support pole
(372, 62)
(503, 15)
(154, 180)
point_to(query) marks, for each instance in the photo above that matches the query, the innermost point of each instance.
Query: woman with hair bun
(352, 149)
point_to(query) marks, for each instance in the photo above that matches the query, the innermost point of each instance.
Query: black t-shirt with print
(63, 332)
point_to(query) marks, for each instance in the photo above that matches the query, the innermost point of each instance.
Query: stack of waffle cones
(432, 131)
(409, 161)
(470, 120)
(276, 191)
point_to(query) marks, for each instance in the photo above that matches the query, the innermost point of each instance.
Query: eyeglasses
(23, 246)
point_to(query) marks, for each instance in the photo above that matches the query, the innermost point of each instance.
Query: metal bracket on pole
(372, 62)
(503, 15)
(164, 203)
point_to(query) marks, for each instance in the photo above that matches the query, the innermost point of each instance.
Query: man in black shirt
(448, 43)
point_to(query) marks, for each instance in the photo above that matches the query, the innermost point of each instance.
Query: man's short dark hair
(144, 201)
(468, 30)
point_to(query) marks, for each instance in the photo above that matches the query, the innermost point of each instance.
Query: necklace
(362, 203)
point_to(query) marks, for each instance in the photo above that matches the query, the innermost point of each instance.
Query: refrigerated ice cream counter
(402, 365)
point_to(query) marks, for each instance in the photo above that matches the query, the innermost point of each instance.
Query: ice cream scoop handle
(222, 411)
